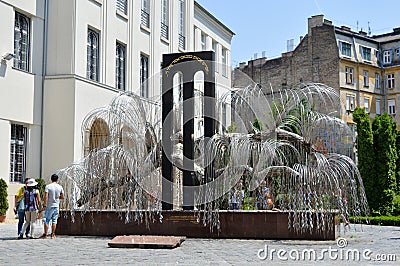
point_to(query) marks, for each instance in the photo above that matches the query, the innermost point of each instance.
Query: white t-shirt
(54, 190)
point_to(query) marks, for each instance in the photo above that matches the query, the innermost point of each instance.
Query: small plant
(3, 197)
(232, 128)
(41, 186)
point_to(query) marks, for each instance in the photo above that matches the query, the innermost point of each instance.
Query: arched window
(120, 66)
(21, 41)
(92, 71)
(99, 135)
(144, 75)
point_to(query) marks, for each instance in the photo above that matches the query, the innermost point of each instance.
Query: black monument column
(188, 64)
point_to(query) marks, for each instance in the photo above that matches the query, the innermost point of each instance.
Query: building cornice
(206, 17)
(80, 78)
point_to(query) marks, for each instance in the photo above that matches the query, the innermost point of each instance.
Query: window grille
(17, 153)
(92, 71)
(122, 5)
(120, 55)
(144, 75)
(21, 41)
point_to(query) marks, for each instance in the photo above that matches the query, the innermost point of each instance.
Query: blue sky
(266, 25)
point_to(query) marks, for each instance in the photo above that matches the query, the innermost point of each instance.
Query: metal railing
(145, 19)
(164, 30)
(182, 41)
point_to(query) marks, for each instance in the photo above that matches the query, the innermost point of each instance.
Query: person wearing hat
(20, 209)
(32, 203)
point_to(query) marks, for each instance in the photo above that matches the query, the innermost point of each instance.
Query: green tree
(398, 162)
(366, 156)
(384, 132)
(3, 197)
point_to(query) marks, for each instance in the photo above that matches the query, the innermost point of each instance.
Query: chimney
(242, 65)
(345, 28)
(315, 21)
(259, 61)
(363, 33)
(396, 30)
(301, 38)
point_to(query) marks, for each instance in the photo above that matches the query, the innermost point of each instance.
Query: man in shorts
(54, 192)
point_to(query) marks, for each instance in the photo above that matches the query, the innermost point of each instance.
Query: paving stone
(79, 250)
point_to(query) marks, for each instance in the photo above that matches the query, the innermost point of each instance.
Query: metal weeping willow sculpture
(297, 148)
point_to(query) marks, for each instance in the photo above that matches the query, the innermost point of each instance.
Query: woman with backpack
(32, 203)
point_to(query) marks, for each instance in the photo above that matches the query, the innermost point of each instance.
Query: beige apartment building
(364, 68)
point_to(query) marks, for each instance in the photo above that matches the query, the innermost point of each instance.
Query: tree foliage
(385, 133)
(366, 154)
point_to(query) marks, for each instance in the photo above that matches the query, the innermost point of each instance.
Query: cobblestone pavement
(372, 242)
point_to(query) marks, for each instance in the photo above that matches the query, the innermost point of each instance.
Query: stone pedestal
(233, 224)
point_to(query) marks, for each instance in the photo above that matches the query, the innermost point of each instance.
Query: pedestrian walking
(32, 203)
(53, 193)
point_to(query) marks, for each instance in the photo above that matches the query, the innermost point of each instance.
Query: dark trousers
(21, 220)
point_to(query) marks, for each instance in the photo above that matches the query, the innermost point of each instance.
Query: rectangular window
(224, 62)
(165, 18)
(387, 57)
(349, 75)
(122, 5)
(182, 38)
(365, 53)
(390, 81)
(144, 75)
(397, 51)
(366, 79)
(120, 59)
(377, 81)
(345, 49)
(18, 153)
(223, 116)
(203, 41)
(391, 107)
(378, 107)
(92, 68)
(145, 15)
(350, 103)
(21, 41)
(366, 104)
(214, 48)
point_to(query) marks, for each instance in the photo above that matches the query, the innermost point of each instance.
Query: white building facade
(73, 56)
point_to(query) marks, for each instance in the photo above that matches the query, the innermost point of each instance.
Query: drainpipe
(44, 72)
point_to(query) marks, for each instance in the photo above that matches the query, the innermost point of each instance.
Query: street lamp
(7, 56)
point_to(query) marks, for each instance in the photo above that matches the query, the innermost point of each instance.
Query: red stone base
(146, 241)
(233, 224)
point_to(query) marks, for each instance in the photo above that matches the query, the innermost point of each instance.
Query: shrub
(3, 197)
(396, 205)
(41, 186)
(378, 220)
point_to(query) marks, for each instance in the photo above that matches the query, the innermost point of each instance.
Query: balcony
(145, 19)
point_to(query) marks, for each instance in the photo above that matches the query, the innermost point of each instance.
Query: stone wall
(315, 59)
